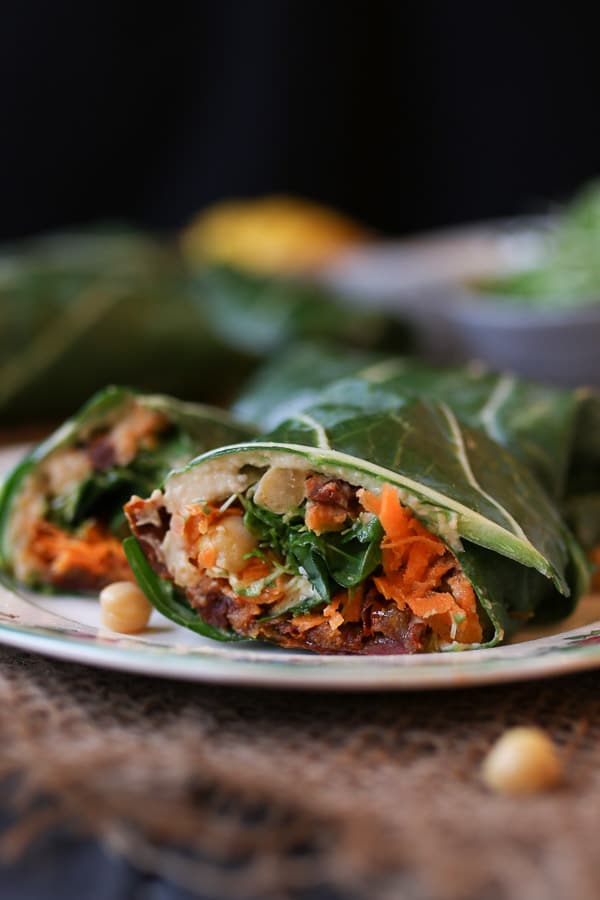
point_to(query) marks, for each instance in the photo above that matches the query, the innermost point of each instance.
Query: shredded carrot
(332, 612)
(305, 623)
(199, 517)
(414, 563)
(255, 569)
(208, 556)
(434, 604)
(322, 517)
(352, 603)
(273, 593)
(93, 551)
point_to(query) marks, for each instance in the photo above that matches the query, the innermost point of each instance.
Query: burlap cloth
(247, 793)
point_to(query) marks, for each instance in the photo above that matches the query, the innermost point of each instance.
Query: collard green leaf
(510, 595)
(9, 491)
(260, 314)
(496, 502)
(68, 299)
(537, 423)
(293, 379)
(583, 512)
(78, 311)
(554, 432)
(166, 598)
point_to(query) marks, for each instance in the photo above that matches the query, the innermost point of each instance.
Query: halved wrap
(61, 519)
(396, 531)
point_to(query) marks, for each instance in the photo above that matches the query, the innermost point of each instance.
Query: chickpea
(232, 541)
(523, 760)
(280, 489)
(124, 607)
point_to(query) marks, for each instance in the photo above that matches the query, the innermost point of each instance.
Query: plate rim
(233, 665)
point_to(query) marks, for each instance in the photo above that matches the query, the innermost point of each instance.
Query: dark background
(405, 114)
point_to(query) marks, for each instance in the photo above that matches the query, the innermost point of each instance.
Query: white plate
(69, 628)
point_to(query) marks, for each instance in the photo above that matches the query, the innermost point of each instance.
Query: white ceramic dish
(69, 628)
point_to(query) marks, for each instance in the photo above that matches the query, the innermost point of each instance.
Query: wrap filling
(308, 560)
(66, 524)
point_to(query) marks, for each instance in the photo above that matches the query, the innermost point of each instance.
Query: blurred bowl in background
(430, 280)
(559, 346)
(392, 272)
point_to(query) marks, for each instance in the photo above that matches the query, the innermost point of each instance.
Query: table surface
(227, 792)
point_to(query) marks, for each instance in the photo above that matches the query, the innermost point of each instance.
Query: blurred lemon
(270, 234)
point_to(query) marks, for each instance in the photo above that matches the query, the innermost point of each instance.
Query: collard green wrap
(80, 310)
(294, 378)
(72, 486)
(504, 533)
(259, 315)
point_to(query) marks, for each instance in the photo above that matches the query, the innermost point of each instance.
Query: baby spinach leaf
(103, 492)
(353, 556)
